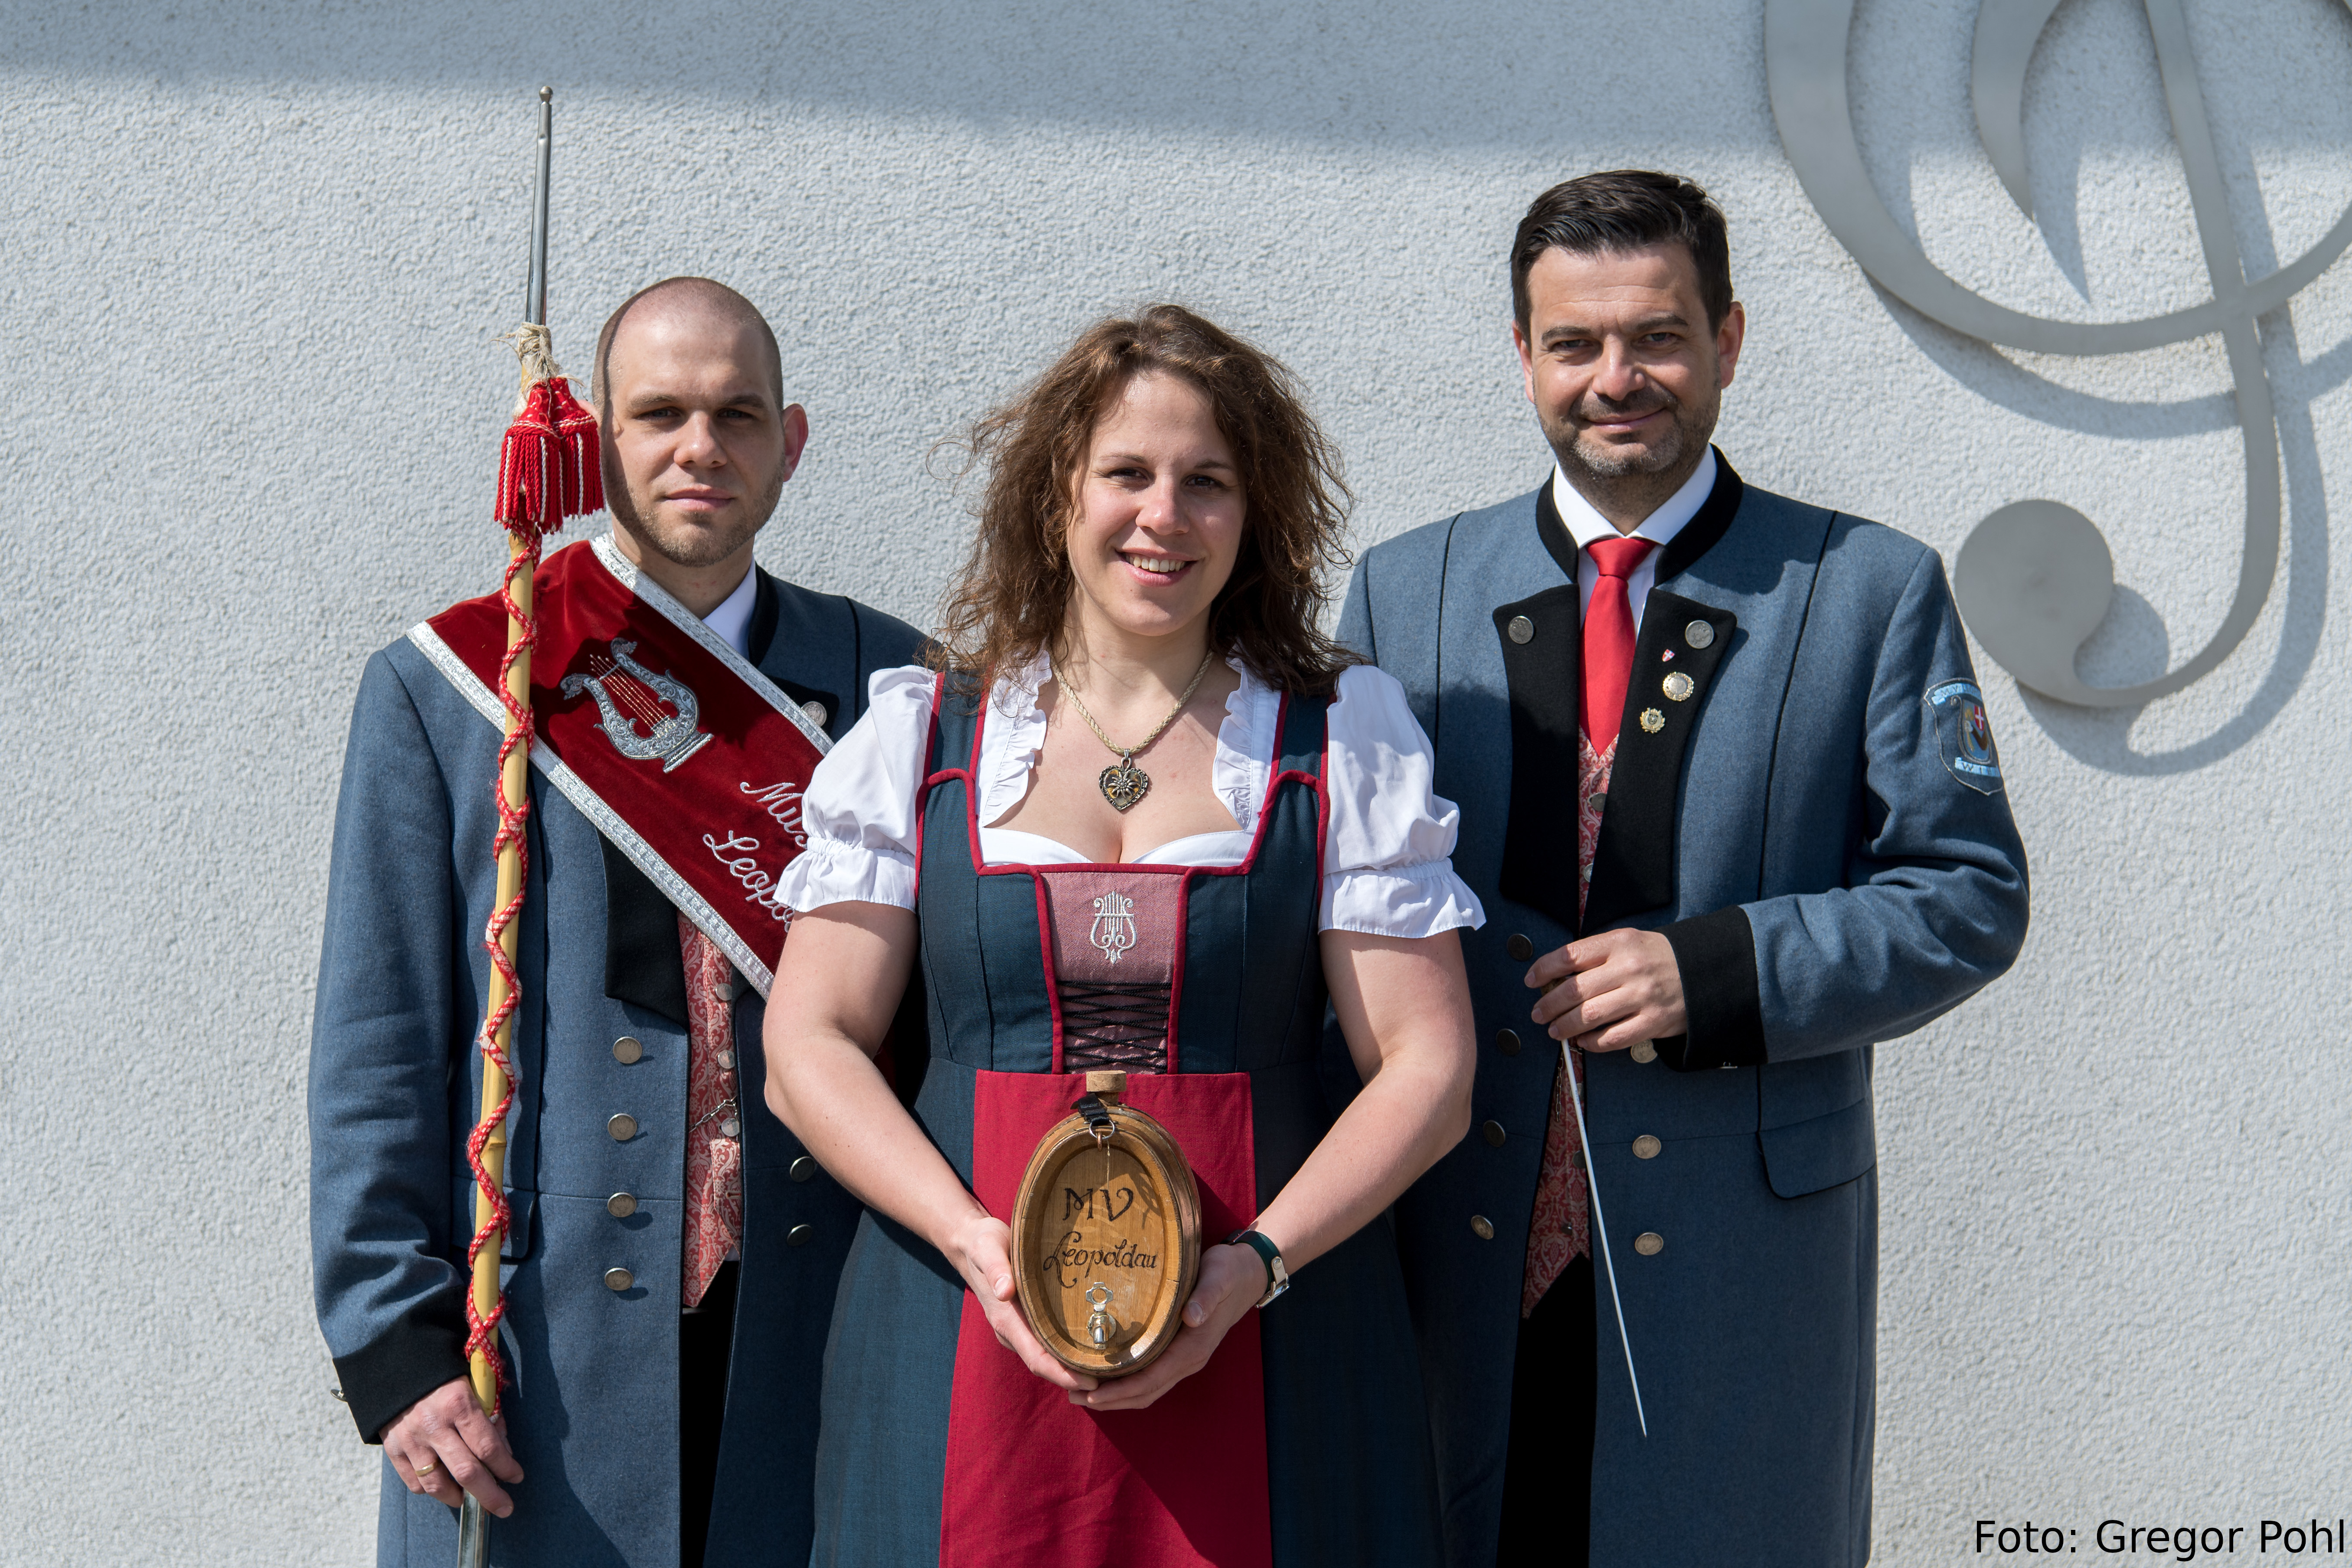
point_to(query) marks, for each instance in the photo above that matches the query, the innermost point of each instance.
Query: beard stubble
(692, 547)
(1693, 425)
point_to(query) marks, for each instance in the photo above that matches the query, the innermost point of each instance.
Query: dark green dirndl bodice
(1348, 1473)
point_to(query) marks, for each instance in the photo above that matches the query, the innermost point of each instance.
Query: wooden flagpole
(548, 470)
(514, 786)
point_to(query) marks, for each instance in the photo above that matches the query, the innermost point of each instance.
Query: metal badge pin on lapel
(1678, 687)
(1699, 634)
(1652, 720)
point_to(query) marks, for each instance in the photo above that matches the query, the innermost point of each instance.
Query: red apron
(1033, 1480)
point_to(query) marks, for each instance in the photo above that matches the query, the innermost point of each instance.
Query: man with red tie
(1707, 744)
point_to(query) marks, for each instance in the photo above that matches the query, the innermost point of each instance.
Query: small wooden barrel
(1107, 1235)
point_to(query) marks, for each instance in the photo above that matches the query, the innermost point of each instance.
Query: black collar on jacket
(1633, 864)
(1702, 534)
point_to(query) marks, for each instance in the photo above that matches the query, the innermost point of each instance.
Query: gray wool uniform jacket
(1817, 828)
(592, 1407)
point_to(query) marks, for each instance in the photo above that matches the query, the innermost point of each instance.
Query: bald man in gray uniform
(641, 1234)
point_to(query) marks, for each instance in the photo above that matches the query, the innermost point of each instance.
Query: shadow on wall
(2035, 582)
(1407, 78)
(1406, 74)
(2132, 644)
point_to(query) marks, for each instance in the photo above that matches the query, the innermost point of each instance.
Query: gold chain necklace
(1123, 784)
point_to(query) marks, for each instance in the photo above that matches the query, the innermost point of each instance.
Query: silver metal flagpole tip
(546, 93)
(473, 1534)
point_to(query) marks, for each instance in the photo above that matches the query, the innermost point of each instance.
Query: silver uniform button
(726, 989)
(816, 713)
(1521, 631)
(730, 1128)
(803, 1169)
(1645, 1147)
(621, 1205)
(1644, 1051)
(623, 1126)
(1678, 687)
(618, 1279)
(727, 1060)
(627, 1050)
(1482, 1227)
(1699, 634)
(1649, 1244)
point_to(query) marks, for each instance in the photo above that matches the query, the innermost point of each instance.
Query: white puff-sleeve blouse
(1386, 870)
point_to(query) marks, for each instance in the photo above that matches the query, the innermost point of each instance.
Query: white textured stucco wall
(255, 256)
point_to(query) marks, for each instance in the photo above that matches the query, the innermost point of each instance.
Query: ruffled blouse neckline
(1015, 734)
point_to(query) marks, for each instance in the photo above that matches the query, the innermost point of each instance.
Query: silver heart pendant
(1124, 783)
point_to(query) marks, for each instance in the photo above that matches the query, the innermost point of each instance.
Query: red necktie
(714, 1147)
(1609, 637)
(1561, 1231)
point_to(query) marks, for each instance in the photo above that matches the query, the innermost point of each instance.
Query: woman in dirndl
(1133, 696)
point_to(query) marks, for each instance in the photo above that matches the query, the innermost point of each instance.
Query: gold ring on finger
(426, 1469)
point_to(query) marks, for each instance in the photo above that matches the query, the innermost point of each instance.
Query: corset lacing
(1119, 1024)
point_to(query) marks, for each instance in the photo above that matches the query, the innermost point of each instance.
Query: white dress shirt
(732, 618)
(1386, 850)
(1585, 525)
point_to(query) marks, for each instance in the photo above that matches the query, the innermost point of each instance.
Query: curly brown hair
(1010, 601)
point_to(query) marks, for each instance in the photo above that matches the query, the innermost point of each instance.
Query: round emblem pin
(1678, 687)
(1652, 720)
(1520, 629)
(1699, 634)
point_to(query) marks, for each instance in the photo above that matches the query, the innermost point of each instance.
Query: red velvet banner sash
(679, 751)
(1033, 1482)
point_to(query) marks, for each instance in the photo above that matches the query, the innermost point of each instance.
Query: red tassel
(551, 466)
(580, 447)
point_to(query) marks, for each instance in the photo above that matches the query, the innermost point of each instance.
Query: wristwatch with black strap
(1277, 1275)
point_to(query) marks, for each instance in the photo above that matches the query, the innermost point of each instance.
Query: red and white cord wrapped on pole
(549, 467)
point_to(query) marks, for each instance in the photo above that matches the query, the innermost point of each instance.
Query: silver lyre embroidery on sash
(635, 700)
(1114, 927)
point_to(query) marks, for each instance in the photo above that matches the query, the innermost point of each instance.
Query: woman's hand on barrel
(980, 1247)
(1232, 1280)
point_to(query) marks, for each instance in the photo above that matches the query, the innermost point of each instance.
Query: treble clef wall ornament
(2035, 578)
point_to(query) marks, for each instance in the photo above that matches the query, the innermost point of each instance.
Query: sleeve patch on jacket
(1964, 735)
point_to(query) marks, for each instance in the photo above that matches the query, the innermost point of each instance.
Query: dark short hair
(1626, 209)
(703, 292)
